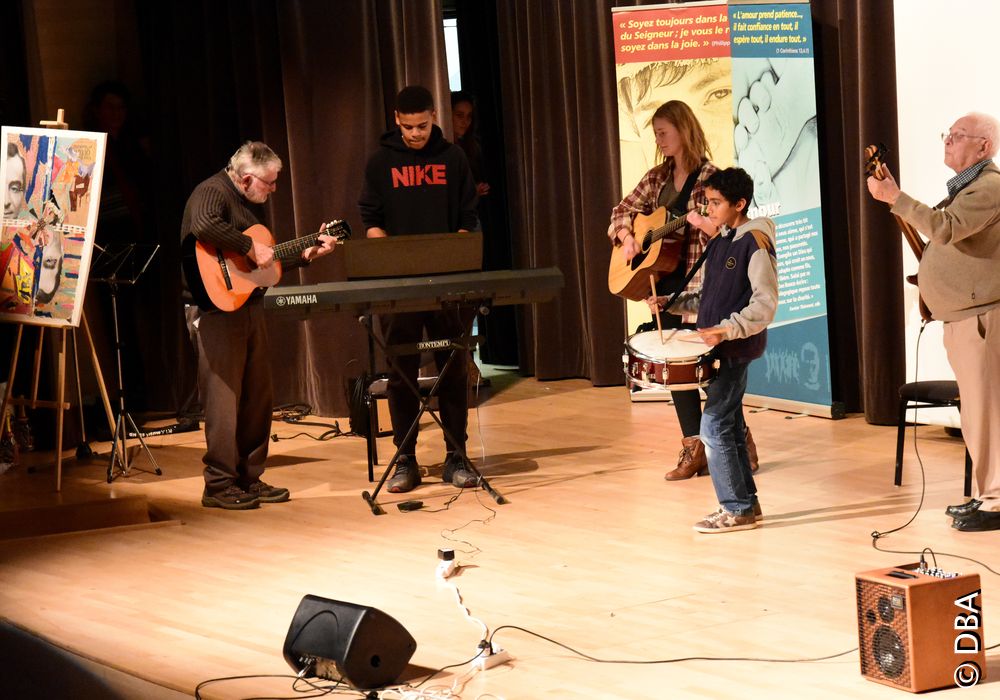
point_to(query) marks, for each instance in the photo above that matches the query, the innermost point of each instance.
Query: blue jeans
(723, 431)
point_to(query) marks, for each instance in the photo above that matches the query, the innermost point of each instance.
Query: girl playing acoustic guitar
(675, 185)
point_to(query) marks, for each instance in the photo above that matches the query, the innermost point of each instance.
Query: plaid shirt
(956, 183)
(644, 199)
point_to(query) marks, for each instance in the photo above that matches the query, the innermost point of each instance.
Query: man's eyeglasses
(269, 183)
(952, 136)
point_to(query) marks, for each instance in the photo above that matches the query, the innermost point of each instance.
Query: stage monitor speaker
(356, 644)
(920, 629)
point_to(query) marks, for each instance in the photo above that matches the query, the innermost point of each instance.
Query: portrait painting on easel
(52, 190)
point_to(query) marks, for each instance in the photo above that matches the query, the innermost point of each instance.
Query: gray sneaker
(455, 472)
(406, 477)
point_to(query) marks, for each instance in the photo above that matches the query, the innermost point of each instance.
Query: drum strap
(690, 275)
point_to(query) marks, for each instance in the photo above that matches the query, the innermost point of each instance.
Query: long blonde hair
(693, 136)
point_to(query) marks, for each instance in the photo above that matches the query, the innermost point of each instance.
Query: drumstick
(659, 326)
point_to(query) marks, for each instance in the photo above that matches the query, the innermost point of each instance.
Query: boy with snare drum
(737, 301)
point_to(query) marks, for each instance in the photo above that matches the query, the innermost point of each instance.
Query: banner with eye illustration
(52, 190)
(746, 71)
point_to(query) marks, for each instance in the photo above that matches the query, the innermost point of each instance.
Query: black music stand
(122, 266)
(396, 258)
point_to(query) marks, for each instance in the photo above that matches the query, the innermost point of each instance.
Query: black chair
(927, 395)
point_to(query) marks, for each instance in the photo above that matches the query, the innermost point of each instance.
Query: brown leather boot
(691, 460)
(752, 451)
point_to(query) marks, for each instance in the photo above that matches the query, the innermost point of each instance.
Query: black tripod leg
(142, 441)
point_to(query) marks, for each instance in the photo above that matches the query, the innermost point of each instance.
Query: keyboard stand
(456, 345)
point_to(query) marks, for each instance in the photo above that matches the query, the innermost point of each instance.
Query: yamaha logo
(295, 299)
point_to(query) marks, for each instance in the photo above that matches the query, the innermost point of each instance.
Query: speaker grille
(882, 631)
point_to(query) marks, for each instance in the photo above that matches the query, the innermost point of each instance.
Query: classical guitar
(661, 238)
(224, 280)
(874, 157)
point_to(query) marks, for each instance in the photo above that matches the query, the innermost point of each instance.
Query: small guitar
(874, 157)
(224, 280)
(661, 238)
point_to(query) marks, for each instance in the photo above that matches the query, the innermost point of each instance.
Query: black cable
(876, 534)
(665, 661)
(445, 668)
(210, 681)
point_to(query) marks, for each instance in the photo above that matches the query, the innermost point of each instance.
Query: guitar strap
(681, 203)
(690, 275)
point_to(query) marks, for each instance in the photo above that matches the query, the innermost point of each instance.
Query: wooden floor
(594, 550)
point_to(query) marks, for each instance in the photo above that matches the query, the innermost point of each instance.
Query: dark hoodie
(407, 191)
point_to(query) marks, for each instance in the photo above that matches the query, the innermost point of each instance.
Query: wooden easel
(60, 404)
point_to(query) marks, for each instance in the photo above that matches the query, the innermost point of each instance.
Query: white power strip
(487, 661)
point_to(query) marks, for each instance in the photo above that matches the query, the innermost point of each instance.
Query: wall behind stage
(933, 88)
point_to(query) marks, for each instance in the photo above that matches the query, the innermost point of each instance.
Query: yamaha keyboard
(421, 293)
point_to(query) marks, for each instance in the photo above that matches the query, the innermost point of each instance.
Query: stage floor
(594, 550)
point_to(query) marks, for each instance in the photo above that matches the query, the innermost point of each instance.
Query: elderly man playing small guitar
(959, 279)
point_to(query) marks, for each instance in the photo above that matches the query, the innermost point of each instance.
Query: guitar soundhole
(647, 241)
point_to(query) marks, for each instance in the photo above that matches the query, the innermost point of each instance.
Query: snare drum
(683, 362)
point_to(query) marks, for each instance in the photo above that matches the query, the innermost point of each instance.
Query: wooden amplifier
(920, 628)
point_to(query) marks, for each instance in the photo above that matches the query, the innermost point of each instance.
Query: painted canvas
(52, 190)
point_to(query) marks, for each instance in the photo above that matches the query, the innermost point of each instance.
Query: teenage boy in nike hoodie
(417, 182)
(735, 304)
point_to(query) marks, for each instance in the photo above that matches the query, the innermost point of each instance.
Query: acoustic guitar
(661, 238)
(874, 157)
(224, 279)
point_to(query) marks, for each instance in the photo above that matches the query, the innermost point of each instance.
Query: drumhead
(683, 346)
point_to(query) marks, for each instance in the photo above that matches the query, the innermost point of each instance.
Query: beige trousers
(973, 347)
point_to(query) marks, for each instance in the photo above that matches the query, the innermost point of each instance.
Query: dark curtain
(316, 81)
(479, 53)
(560, 112)
(560, 118)
(856, 79)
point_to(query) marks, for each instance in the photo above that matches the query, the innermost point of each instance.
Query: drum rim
(700, 357)
(670, 361)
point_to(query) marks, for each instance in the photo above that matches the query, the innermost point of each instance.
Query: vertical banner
(746, 70)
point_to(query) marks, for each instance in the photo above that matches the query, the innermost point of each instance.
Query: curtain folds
(560, 118)
(316, 80)
(560, 128)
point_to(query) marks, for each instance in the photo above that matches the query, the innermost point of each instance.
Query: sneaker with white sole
(724, 521)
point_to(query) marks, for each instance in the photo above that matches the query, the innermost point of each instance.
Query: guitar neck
(667, 228)
(296, 245)
(338, 230)
(916, 243)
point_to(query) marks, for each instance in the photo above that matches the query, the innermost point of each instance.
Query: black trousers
(234, 380)
(687, 403)
(453, 396)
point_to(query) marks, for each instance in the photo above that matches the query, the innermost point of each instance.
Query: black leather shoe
(978, 521)
(964, 510)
